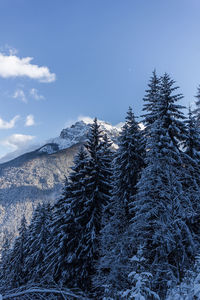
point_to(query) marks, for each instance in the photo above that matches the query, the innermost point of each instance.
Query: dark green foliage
(76, 272)
(128, 162)
(150, 101)
(16, 273)
(191, 171)
(36, 243)
(161, 210)
(162, 207)
(77, 217)
(113, 266)
(98, 187)
(5, 258)
(55, 258)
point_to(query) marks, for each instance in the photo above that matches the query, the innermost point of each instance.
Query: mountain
(77, 133)
(39, 175)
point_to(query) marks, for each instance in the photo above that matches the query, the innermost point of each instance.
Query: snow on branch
(23, 291)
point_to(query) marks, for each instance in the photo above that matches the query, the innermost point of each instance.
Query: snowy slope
(77, 133)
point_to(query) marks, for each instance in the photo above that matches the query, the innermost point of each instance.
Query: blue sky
(89, 58)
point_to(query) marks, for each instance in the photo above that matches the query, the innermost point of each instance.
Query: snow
(47, 149)
(38, 291)
(62, 144)
(77, 133)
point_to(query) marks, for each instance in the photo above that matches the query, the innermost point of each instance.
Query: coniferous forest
(127, 225)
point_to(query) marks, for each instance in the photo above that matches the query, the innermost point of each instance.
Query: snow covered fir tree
(127, 224)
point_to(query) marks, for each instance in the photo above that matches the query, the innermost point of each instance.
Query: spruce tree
(192, 142)
(191, 169)
(129, 162)
(170, 112)
(161, 207)
(54, 259)
(77, 220)
(90, 191)
(5, 259)
(113, 266)
(150, 101)
(106, 153)
(80, 258)
(74, 266)
(36, 243)
(17, 275)
(98, 187)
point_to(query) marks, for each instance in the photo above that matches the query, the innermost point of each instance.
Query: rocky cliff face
(39, 175)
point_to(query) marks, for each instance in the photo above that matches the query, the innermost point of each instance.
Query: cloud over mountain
(16, 141)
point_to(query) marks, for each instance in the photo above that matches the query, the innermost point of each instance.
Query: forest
(127, 225)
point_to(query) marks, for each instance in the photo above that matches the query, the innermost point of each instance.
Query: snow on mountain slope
(69, 136)
(77, 133)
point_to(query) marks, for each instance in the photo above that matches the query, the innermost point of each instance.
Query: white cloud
(16, 141)
(89, 120)
(35, 94)
(86, 119)
(8, 124)
(30, 121)
(19, 94)
(14, 66)
(8, 49)
(13, 154)
(11, 50)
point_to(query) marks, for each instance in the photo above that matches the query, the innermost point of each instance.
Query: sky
(66, 59)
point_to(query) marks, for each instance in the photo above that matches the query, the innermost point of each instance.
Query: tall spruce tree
(170, 112)
(150, 101)
(74, 245)
(36, 243)
(5, 259)
(55, 258)
(129, 162)
(161, 207)
(17, 275)
(191, 169)
(82, 253)
(107, 156)
(113, 267)
(98, 186)
(74, 271)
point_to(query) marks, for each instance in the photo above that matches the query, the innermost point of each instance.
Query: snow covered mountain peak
(77, 133)
(71, 135)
